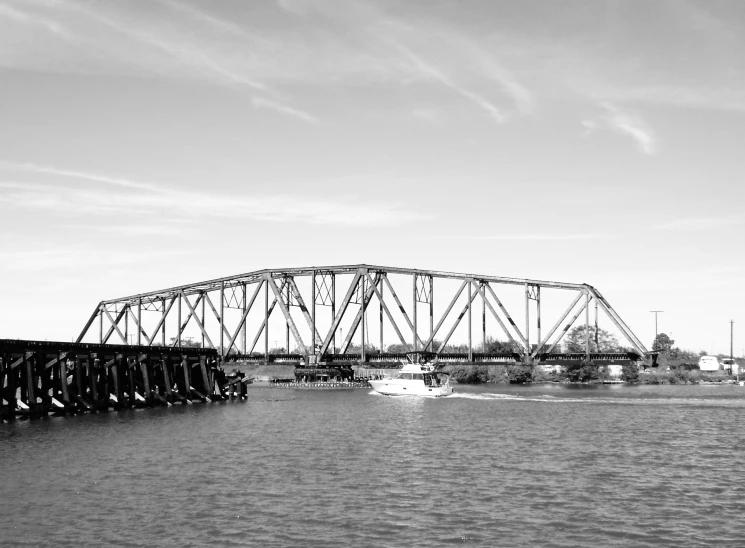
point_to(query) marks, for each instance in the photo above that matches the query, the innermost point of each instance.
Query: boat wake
(545, 398)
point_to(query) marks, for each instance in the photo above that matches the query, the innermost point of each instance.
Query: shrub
(518, 374)
(630, 373)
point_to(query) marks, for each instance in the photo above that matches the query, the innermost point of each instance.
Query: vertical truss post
(362, 309)
(287, 322)
(587, 327)
(313, 312)
(266, 323)
(244, 328)
(126, 324)
(538, 313)
(483, 323)
(431, 310)
(414, 329)
(204, 304)
(222, 320)
(597, 342)
(100, 323)
(139, 321)
(470, 324)
(527, 320)
(178, 312)
(333, 312)
(380, 303)
(163, 320)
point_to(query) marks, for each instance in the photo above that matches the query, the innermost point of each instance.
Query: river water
(494, 465)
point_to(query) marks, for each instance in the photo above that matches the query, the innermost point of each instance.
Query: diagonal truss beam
(90, 322)
(479, 288)
(385, 308)
(196, 317)
(403, 311)
(342, 309)
(509, 318)
(445, 315)
(457, 322)
(286, 312)
(192, 314)
(115, 324)
(296, 292)
(234, 336)
(217, 315)
(161, 321)
(137, 323)
(571, 322)
(619, 323)
(369, 292)
(267, 316)
(542, 343)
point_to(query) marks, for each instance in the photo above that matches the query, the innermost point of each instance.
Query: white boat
(415, 379)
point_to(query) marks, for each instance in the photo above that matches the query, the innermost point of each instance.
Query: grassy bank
(477, 374)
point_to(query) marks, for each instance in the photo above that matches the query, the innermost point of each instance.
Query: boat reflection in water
(416, 378)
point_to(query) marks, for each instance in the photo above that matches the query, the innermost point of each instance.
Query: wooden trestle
(38, 378)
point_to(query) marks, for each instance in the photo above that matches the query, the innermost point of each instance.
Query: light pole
(655, 312)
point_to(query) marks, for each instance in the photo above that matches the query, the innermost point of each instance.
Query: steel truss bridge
(403, 300)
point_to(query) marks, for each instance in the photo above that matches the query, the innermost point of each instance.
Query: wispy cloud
(534, 237)
(140, 200)
(35, 20)
(433, 72)
(262, 102)
(699, 223)
(164, 39)
(626, 123)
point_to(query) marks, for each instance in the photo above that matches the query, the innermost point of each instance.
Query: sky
(148, 144)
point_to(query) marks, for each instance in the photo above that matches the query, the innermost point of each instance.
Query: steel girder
(368, 284)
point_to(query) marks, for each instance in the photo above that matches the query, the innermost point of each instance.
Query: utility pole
(655, 312)
(731, 332)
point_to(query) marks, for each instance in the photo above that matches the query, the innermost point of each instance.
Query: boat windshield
(410, 376)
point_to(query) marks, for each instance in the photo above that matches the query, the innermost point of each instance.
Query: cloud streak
(626, 123)
(533, 237)
(434, 73)
(140, 201)
(699, 223)
(193, 45)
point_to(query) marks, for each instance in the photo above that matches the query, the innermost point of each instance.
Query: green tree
(662, 343)
(518, 373)
(602, 341)
(186, 342)
(580, 372)
(493, 346)
(630, 373)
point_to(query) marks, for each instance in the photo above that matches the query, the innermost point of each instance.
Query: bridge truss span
(322, 311)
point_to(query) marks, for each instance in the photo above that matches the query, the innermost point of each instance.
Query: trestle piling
(41, 378)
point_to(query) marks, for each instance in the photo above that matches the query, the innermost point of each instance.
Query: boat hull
(389, 387)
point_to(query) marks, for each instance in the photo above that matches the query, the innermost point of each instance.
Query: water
(547, 465)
